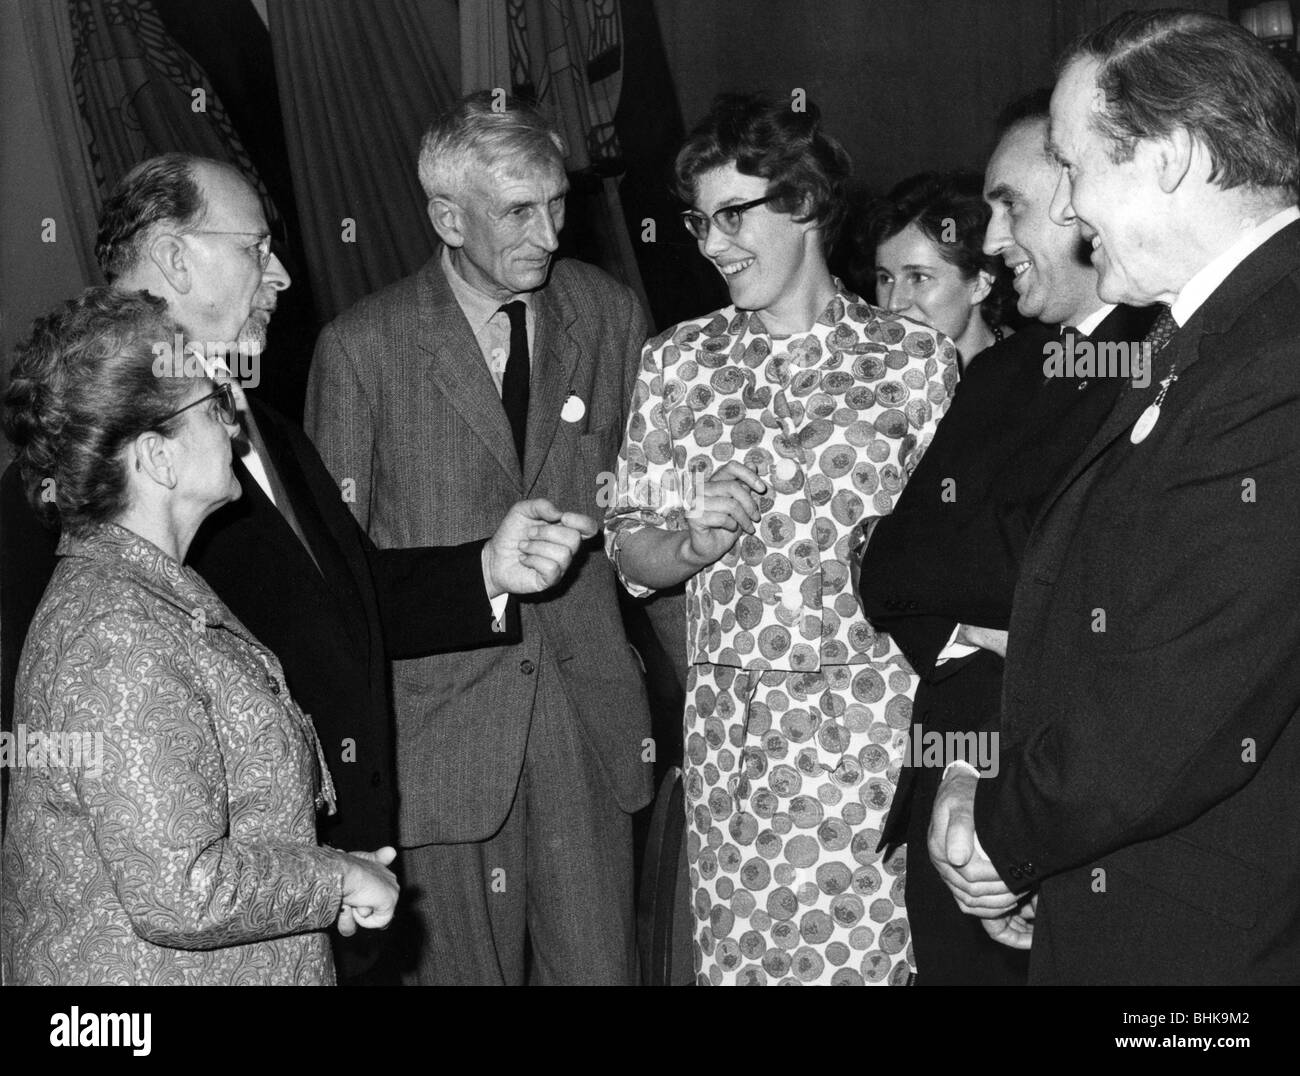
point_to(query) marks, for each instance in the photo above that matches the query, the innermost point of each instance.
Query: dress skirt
(788, 777)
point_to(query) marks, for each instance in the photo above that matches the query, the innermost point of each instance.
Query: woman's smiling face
(915, 280)
(766, 261)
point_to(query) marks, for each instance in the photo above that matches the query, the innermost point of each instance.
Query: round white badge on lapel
(1145, 424)
(573, 409)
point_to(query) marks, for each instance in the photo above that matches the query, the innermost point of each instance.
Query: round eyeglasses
(262, 246)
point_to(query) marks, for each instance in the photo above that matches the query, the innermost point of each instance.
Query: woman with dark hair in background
(759, 437)
(926, 239)
(168, 836)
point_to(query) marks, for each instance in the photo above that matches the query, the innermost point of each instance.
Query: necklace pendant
(1145, 424)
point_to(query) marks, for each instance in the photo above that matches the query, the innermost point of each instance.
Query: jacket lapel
(1130, 405)
(549, 385)
(1260, 270)
(455, 364)
(334, 574)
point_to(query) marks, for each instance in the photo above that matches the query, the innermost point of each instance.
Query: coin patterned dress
(797, 711)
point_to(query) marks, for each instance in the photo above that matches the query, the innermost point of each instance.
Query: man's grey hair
(1161, 70)
(486, 130)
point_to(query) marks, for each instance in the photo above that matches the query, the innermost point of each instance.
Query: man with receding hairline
(950, 552)
(287, 558)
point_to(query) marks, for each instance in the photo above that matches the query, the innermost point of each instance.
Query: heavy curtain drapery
(358, 84)
(567, 56)
(47, 33)
(114, 88)
(140, 93)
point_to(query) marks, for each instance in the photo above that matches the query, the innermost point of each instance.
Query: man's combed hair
(485, 130)
(82, 387)
(160, 190)
(807, 171)
(1162, 70)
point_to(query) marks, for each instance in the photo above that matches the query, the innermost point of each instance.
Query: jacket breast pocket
(597, 454)
(600, 446)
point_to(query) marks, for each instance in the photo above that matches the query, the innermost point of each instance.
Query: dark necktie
(514, 386)
(1161, 330)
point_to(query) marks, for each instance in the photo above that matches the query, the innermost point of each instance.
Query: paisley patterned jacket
(833, 420)
(180, 847)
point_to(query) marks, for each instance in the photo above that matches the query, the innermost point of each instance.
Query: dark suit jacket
(1149, 769)
(328, 630)
(401, 399)
(950, 551)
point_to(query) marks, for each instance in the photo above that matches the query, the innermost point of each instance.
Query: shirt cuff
(953, 649)
(499, 604)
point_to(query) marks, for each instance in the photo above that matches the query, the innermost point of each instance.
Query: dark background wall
(906, 85)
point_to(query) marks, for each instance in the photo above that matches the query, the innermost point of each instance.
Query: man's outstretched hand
(533, 548)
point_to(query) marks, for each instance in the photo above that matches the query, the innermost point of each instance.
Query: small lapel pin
(573, 409)
(1147, 420)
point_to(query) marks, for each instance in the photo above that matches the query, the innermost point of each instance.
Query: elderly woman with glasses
(762, 438)
(165, 831)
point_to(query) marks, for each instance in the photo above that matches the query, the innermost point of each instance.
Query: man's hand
(369, 891)
(533, 548)
(993, 639)
(1016, 929)
(723, 506)
(974, 881)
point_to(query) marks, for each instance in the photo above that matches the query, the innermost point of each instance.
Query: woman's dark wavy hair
(943, 204)
(82, 387)
(807, 171)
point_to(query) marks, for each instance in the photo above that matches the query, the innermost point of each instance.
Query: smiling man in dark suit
(1149, 740)
(287, 557)
(495, 372)
(941, 569)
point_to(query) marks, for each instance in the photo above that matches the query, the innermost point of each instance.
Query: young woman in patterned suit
(761, 438)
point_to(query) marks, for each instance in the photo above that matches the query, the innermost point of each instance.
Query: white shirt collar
(1210, 276)
(1089, 324)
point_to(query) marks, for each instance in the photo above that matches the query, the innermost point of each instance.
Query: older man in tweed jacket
(492, 373)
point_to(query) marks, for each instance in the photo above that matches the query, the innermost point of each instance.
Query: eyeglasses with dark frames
(727, 219)
(263, 244)
(226, 409)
